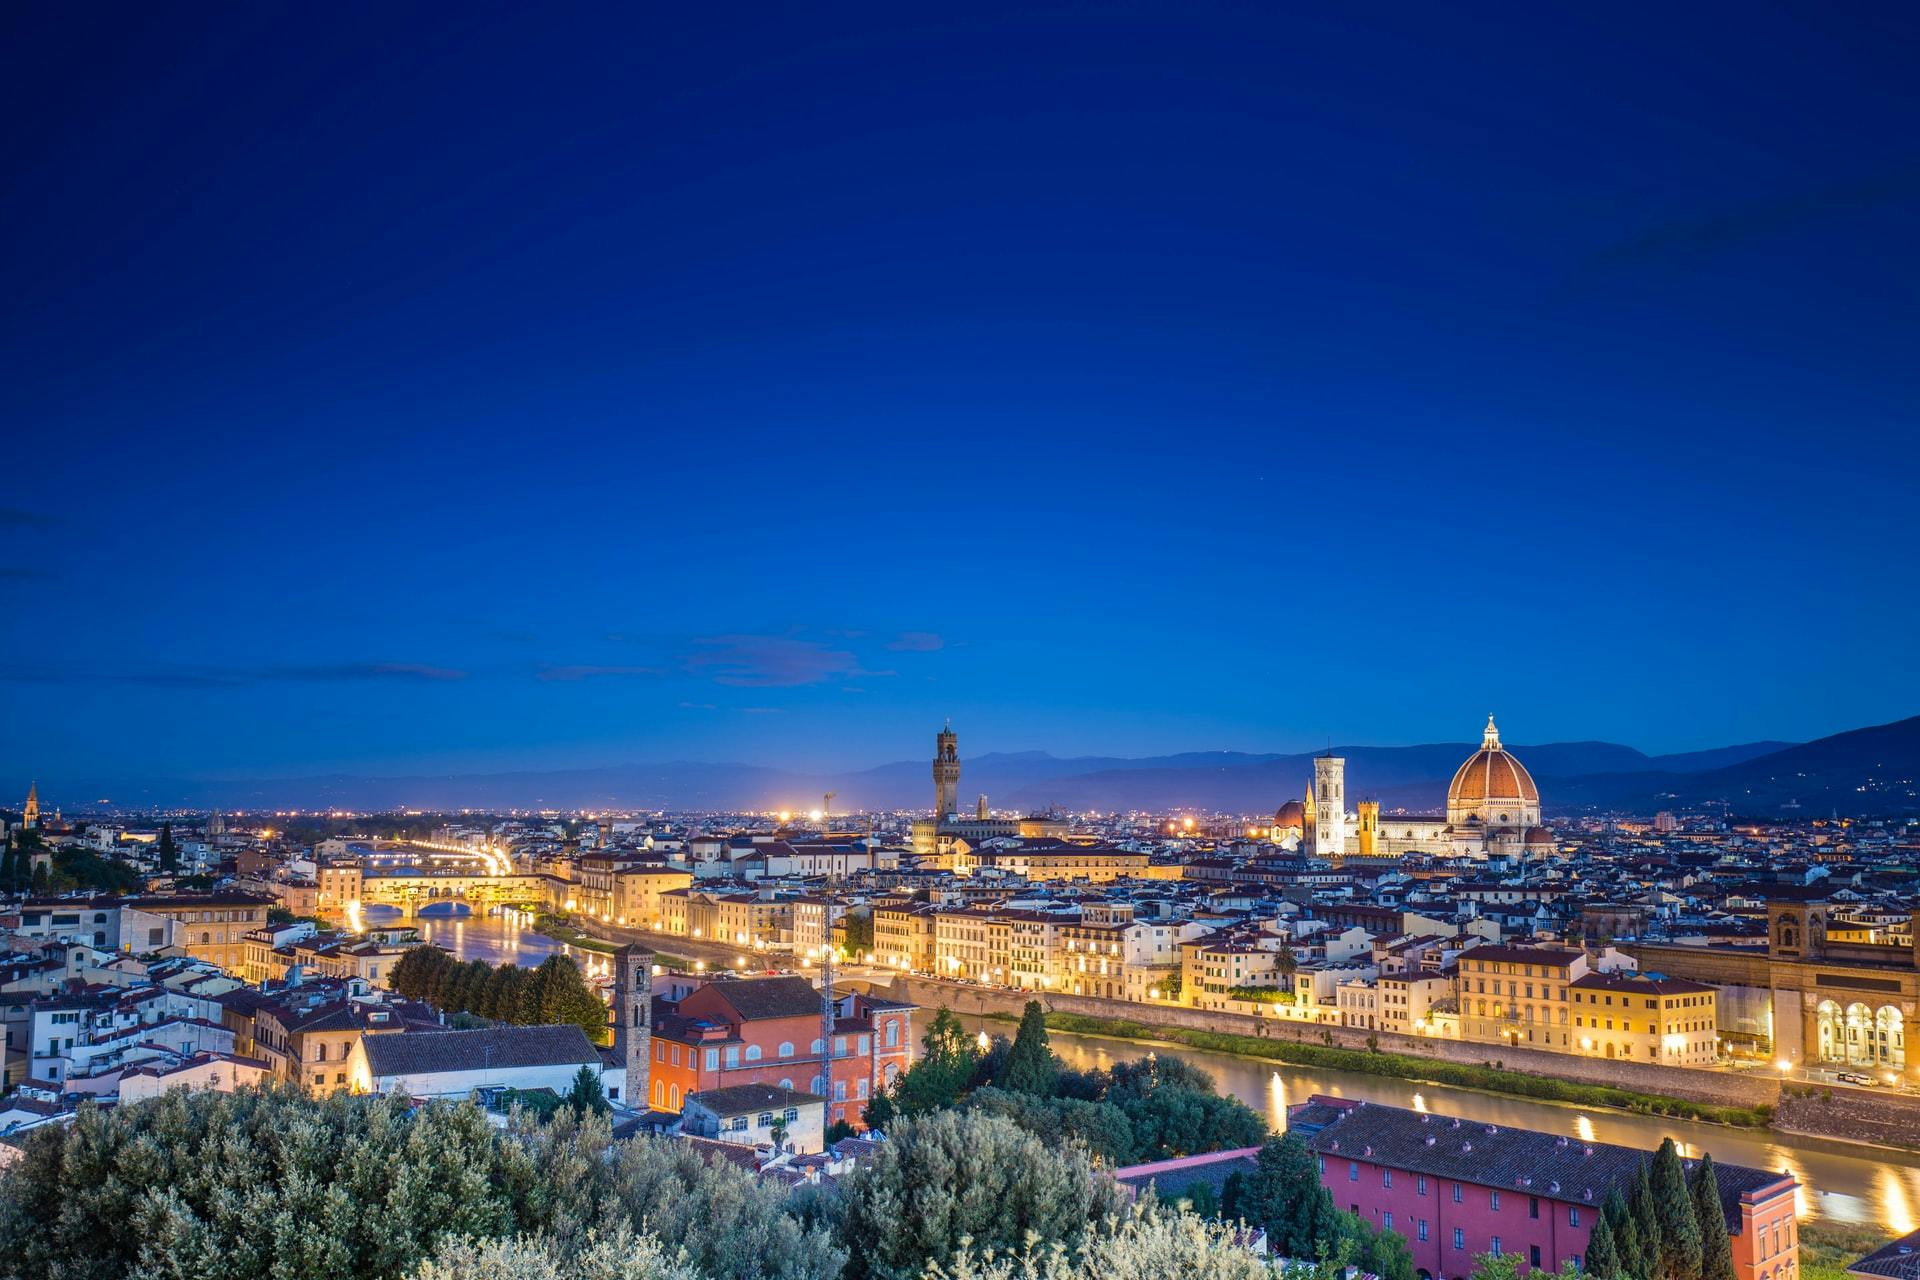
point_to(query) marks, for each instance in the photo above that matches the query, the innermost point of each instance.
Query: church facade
(1493, 810)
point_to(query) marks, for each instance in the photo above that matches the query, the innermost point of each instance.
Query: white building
(452, 1064)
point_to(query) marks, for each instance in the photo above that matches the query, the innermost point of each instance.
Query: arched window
(673, 1097)
(787, 1083)
(819, 1085)
(753, 1053)
(893, 1031)
(786, 1048)
(819, 1046)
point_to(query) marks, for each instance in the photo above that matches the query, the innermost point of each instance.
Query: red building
(1455, 1189)
(734, 1031)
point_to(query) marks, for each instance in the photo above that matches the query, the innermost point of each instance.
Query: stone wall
(1857, 1115)
(1718, 1087)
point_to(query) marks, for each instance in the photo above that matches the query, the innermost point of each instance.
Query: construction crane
(828, 1011)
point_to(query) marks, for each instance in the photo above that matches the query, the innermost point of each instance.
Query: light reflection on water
(498, 939)
(1838, 1181)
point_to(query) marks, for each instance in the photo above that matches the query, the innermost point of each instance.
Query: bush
(272, 1183)
(951, 1181)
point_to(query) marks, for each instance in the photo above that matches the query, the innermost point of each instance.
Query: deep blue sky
(400, 389)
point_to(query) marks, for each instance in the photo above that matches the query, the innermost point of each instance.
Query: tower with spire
(31, 819)
(946, 772)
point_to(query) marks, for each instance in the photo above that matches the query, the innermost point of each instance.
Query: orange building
(734, 1031)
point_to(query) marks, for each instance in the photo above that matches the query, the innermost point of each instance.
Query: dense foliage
(1285, 1197)
(275, 1184)
(1147, 1243)
(951, 1179)
(1664, 1226)
(554, 992)
(1152, 1109)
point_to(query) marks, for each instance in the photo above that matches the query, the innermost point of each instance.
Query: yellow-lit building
(903, 935)
(1094, 865)
(211, 927)
(638, 895)
(340, 883)
(1519, 995)
(1667, 1020)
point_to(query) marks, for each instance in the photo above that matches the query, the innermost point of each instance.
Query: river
(1839, 1181)
(498, 939)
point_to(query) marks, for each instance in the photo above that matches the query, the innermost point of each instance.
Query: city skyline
(566, 399)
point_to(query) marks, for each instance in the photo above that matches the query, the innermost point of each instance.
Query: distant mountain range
(1863, 772)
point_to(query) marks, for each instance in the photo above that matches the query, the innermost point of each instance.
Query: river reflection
(1839, 1181)
(497, 939)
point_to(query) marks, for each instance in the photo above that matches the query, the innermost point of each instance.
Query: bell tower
(1330, 806)
(633, 1021)
(946, 772)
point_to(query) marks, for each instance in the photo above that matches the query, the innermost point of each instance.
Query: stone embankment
(1721, 1088)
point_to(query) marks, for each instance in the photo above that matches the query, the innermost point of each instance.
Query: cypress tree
(1029, 1067)
(1628, 1246)
(1679, 1257)
(1716, 1248)
(42, 882)
(1646, 1221)
(1603, 1258)
(1285, 1196)
(169, 851)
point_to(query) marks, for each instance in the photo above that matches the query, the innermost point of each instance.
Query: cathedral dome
(1494, 787)
(1290, 814)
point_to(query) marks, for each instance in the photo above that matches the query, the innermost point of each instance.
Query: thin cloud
(1684, 240)
(771, 662)
(232, 677)
(568, 673)
(365, 671)
(917, 642)
(22, 518)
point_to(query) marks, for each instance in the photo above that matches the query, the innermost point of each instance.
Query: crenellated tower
(946, 772)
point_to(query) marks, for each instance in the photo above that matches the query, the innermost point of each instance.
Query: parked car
(1854, 1077)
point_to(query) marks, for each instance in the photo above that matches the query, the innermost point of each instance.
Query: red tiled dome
(1492, 775)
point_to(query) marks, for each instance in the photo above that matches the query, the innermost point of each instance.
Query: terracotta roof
(1492, 774)
(757, 998)
(422, 1052)
(1525, 1160)
(738, 1099)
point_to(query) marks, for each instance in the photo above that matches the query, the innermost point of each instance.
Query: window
(733, 1060)
(786, 1048)
(819, 1046)
(713, 1059)
(1493, 1201)
(893, 1033)
(1573, 1215)
(839, 1090)
(1533, 1255)
(1386, 1222)
(1423, 1229)
(1493, 1247)
(1533, 1210)
(790, 1114)
(766, 1119)
(1459, 1238)
(1420, 1184)
(1386, 1177)
(1353, 1171)
(1456, 1193)
(753, 1053)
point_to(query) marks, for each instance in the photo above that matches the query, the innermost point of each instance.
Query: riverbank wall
(1718, 1088)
